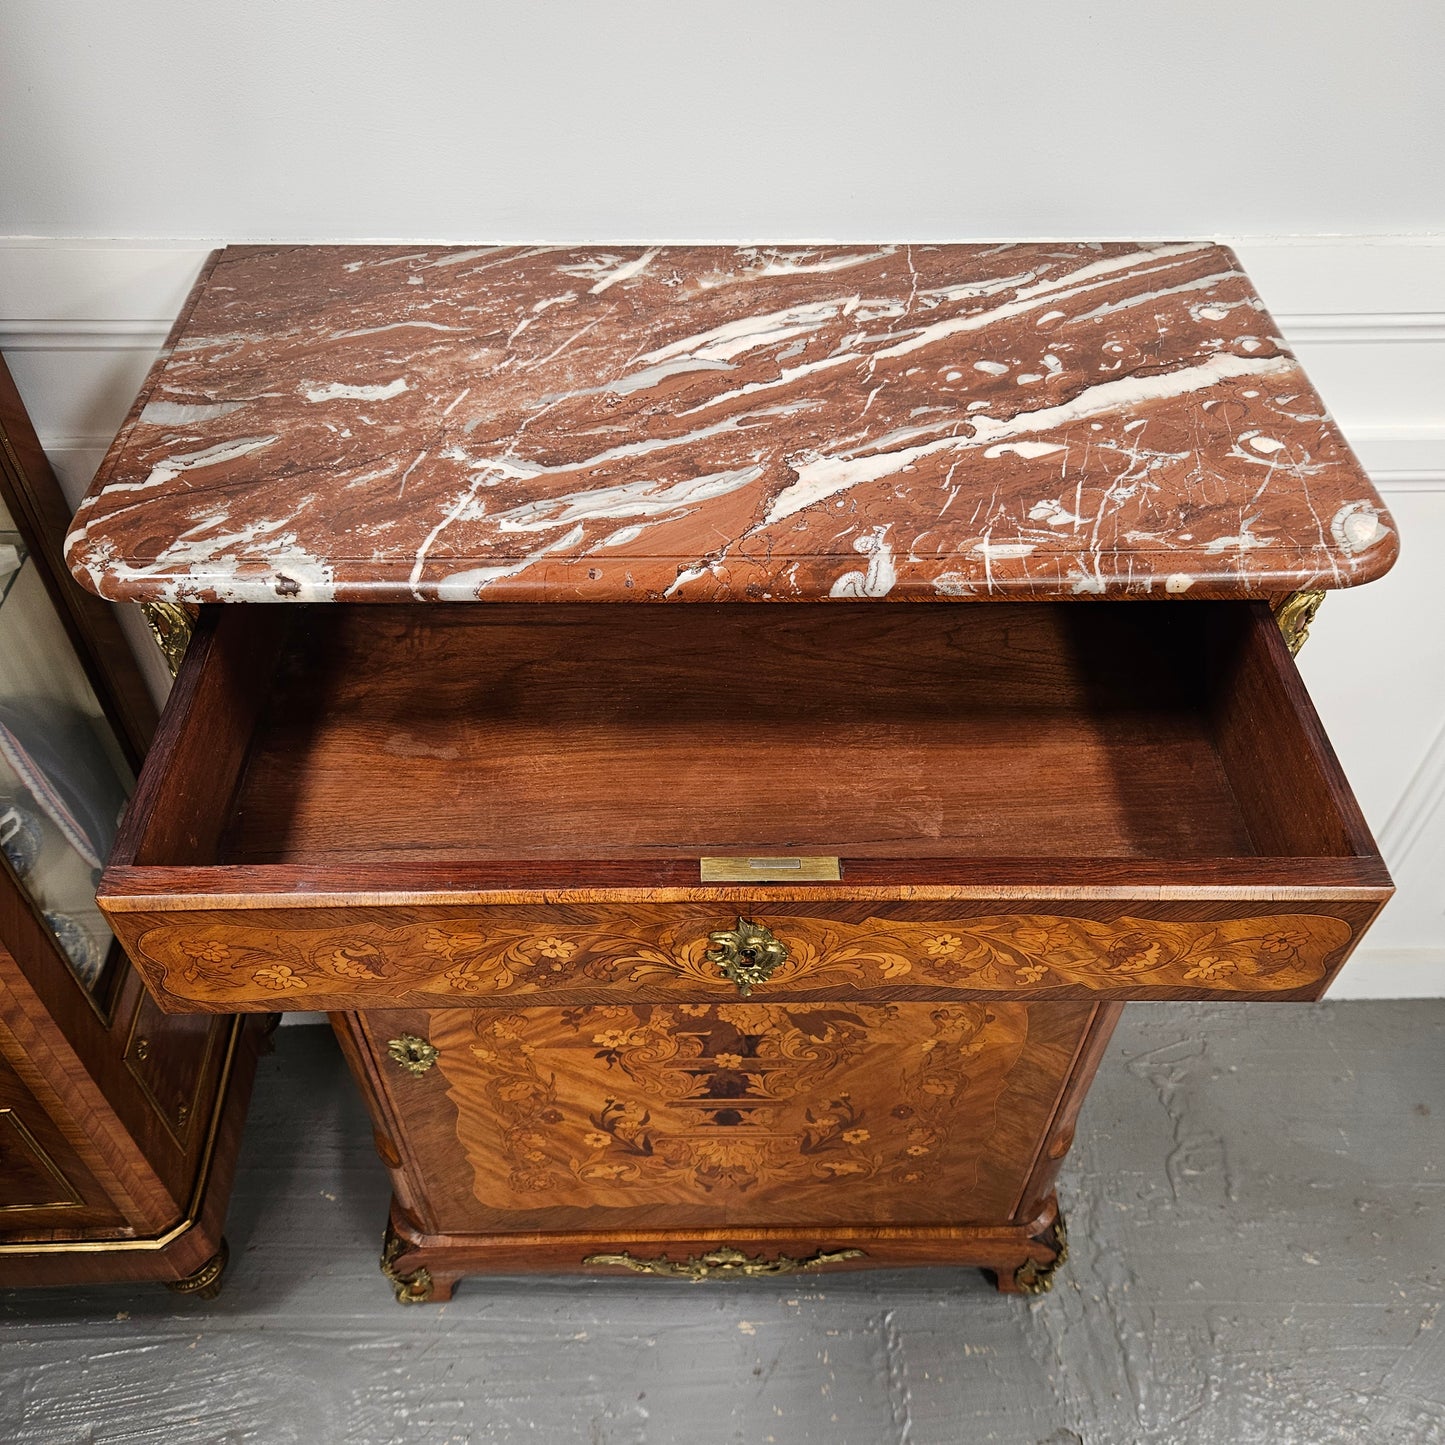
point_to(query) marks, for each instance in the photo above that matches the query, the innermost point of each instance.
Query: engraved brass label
(770, 870)
(726, 1263)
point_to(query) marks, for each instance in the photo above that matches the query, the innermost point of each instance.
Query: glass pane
(63, 779)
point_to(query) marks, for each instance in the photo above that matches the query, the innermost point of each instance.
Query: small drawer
(356, 807)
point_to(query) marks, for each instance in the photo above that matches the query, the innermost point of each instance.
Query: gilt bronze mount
(413, 1288)
(724, 1263)
(1294, 615)
(747, 954)
(1031, 1277)
(414, 1055)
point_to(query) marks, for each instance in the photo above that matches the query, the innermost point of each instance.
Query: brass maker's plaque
(771, 870)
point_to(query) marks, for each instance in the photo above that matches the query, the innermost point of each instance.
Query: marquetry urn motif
(773, 1113)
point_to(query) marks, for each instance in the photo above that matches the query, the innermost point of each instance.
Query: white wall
(707, 118)
(1312, 135)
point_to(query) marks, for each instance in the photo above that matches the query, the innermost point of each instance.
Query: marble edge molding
(951, 422)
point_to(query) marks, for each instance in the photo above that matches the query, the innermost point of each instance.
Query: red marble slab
(705, 423)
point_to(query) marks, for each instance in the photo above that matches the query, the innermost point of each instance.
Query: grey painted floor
(1256, 1206)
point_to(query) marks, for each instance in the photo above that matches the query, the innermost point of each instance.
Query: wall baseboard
(1392, 973)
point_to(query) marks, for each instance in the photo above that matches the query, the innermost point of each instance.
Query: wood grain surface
(900, 732)
(912, 1133)
(355, 808)
(466, 736)
(658, 953)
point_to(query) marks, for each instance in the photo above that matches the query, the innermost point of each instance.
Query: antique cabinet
(742, 722)
(119, 1123)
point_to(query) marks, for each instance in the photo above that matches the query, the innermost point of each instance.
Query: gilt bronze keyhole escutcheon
(415, 1055)
(747, 954)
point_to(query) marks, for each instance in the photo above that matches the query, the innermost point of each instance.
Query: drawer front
(572, 955)
(743, 1114)
(427, 808)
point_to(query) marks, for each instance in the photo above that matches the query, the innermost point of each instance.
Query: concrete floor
(1256, 1207)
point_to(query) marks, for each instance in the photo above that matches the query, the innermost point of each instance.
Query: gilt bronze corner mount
(1033, 1277)
(413, 1288)
(1294, 615)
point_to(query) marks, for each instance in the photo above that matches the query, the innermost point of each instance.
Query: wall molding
(142, 333)
(1401, 832)
(1389, 483)
(31, 333)
(1363, 328)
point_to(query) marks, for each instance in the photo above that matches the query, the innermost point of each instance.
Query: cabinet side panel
(1286, 778)
(402, 1142)
(44, 1186)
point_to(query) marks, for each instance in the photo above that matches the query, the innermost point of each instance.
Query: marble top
(614, 423)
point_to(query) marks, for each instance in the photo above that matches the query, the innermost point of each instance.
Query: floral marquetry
(763, 1105)
(662, 953)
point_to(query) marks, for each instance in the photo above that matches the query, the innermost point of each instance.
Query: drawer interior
(340, 734)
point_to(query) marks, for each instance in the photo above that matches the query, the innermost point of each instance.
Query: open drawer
(376, 806)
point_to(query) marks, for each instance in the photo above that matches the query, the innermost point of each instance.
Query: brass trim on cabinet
(204, 1283)
(1031, 1277)
(171, 624)
(198, 1192)
(410, 1289)
(137, 1050)
(30, 1142)
(724, 1263)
